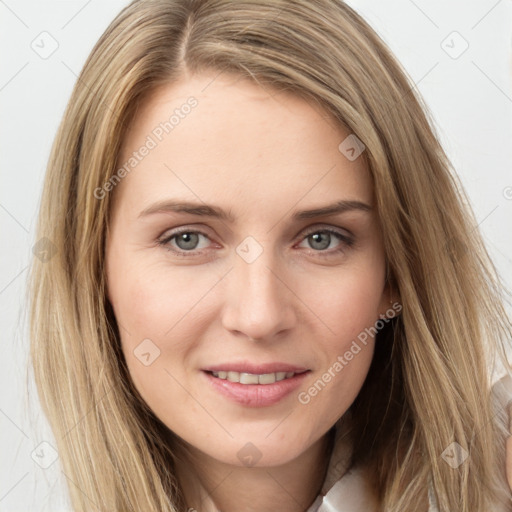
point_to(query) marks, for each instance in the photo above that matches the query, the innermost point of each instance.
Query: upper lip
(257, 369)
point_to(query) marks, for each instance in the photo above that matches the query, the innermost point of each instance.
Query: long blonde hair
(429, 382)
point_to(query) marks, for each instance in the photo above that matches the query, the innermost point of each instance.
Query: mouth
(254, 378)
(255, 389)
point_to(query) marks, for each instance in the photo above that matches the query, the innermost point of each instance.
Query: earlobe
(395, 302)
(391, 309)
(391, 305)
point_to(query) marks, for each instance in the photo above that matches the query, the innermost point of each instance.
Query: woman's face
(214, 264)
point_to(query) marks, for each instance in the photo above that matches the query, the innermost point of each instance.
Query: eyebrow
(206, 210)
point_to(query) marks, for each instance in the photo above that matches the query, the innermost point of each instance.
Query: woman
(267, 291)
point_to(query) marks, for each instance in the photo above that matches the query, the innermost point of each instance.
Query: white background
(470, 98)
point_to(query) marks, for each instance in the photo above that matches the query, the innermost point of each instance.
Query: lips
(255, 385)
(251, 378)
(249, 373)
(255, 369)
(255, 395)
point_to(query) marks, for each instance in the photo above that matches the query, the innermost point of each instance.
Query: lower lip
(256, 395)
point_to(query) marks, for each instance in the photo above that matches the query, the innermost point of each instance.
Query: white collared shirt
(348, 490)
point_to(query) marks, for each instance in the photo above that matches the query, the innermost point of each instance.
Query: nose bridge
(260, 304)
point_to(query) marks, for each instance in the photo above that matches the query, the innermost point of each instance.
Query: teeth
(251, 378)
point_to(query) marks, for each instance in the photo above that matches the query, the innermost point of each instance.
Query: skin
(261, 157)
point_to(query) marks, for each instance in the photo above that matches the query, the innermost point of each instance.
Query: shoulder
(352, 493)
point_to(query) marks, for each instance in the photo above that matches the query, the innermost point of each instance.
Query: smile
(254, 389)
(251, 378)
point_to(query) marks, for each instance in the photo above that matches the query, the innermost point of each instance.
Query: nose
(260, 302)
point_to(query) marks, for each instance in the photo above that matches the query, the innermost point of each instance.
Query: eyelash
(346, 242)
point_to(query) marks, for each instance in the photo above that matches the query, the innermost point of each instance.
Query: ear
(391, 304)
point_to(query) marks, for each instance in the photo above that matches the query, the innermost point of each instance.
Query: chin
(259, 451)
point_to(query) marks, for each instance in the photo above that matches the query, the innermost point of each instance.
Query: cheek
(349, 312)
(159, 320)
(154, 302)
(348, 303)
(346, 359)
(143, 313)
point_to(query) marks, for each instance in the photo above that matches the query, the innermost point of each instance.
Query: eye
(182, 241)
(321, 239)
(186, 242)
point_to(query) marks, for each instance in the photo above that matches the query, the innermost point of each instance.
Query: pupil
(317, 239)
(187, 240)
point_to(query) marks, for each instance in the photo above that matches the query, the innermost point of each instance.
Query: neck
(210, 485)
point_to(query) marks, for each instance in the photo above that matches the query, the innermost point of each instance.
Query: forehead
(217, 137)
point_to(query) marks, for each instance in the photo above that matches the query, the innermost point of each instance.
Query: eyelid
(345, 239)
(168, 235)
(304, 231)
(320, 227)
